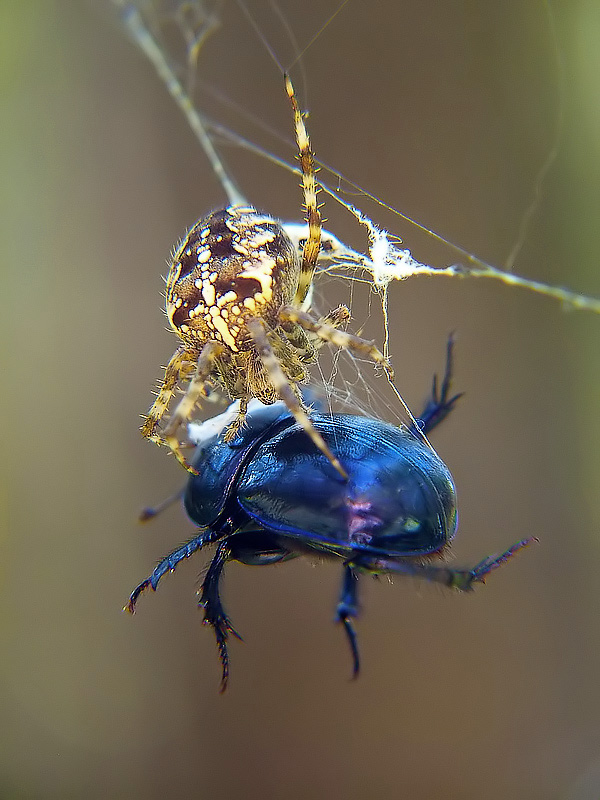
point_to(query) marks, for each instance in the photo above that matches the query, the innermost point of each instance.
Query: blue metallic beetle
(269, 495)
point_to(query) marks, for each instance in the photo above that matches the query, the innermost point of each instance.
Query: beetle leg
(439, 404)
(461, 579)
(214, 613)
(153, 511)
(168, 564)
(347, 608)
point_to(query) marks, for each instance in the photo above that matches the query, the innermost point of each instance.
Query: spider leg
(305, 343)
(310, 252)
(168, 564)
(178, 365)
(439, 404)
(237, 423)
(330, 333)
(258, 332)
(348, 341)
(195, 390)
(337, 317)
(347, 608)
(461, 579)
(214, 613)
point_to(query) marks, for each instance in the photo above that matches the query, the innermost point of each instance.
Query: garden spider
(236, 296)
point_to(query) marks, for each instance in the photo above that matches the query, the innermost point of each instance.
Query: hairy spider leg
(312, 246)
(180, 363)
(168, 564)
(237, 423)
(462, 580)
(196, 389)
(259, 332)
(330, 333)
(347, 608)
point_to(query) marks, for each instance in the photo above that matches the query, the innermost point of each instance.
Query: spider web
(173, 34)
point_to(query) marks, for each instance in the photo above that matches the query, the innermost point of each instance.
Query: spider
(237, 296)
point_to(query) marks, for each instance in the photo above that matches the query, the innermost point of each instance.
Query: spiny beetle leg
(460, 579)
(168, 564)
(439, 404)
(489, 564)
(214, 613)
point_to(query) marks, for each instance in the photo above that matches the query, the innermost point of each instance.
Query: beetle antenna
(153, 511)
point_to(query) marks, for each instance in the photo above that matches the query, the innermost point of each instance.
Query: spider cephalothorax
(236, 296)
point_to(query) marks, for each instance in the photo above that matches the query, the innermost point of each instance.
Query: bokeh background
(447, 111)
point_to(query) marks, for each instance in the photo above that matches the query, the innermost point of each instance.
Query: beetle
(269, 495)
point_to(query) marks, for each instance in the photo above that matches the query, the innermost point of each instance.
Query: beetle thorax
(234, 264)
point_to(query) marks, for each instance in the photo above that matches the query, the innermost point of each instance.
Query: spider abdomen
(234, 264)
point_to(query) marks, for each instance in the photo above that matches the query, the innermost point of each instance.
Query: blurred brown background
(447, 111)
